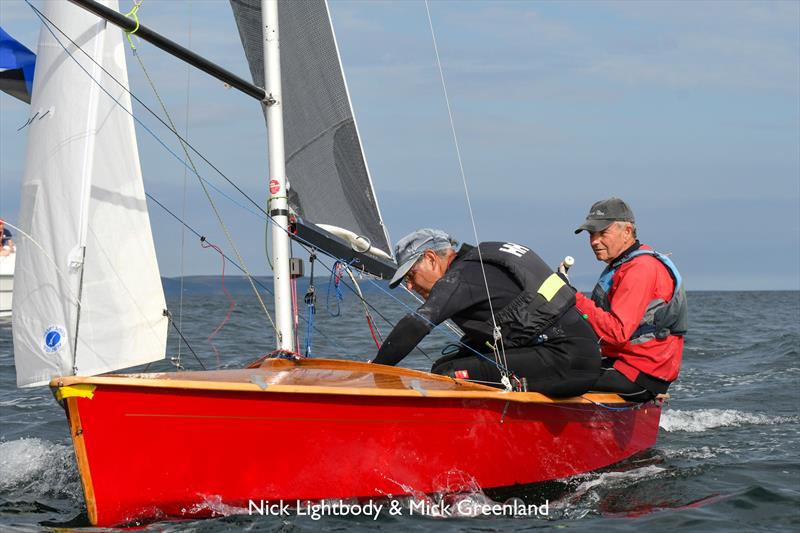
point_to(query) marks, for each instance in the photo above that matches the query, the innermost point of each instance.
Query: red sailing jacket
(633, 286)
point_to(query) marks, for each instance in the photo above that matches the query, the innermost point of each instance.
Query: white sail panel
(83, 185)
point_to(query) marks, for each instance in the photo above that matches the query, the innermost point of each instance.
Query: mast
(278, 205)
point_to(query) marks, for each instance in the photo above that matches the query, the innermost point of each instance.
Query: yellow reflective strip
(550, 287)
(82, 390)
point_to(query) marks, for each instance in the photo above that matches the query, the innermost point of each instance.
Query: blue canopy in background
(16, 68)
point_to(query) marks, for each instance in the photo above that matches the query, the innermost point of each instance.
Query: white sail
(102, 310)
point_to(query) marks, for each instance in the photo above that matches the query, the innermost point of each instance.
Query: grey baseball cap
(604, 212)
(411, 247)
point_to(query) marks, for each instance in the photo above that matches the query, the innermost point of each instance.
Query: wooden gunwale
(386, 382)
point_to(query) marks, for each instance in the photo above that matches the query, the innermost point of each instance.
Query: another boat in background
(7, 263)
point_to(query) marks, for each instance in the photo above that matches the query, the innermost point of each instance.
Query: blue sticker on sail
(53, 339)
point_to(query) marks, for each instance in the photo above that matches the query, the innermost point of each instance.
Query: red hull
(148, 452)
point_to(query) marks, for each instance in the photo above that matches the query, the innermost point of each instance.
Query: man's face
(607, 244)
(425, 273)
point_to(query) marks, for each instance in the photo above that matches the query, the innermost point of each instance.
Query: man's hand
(563, 267)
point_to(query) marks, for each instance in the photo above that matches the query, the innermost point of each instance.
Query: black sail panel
(325, 166)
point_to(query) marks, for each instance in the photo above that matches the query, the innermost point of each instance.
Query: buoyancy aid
(544, 297)
(661, 318)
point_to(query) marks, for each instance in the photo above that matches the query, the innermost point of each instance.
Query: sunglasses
(409, 277)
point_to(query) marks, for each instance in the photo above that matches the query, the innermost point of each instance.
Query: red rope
(206, 244)
(372, 331)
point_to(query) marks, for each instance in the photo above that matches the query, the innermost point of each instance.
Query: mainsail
(87, 296)
(325, 166)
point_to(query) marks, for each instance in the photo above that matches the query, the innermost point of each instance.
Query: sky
(689, 112)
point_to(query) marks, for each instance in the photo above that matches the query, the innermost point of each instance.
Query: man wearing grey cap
(546, 343)
(637, 309)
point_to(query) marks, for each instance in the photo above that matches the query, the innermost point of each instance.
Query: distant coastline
(212, 285)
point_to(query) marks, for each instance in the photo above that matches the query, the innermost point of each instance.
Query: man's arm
(444, 301)
(629, 301)
(404, 337)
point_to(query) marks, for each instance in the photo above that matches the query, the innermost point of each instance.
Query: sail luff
(78, 256)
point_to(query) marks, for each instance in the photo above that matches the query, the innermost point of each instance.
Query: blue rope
(310, 321)
(336, 281)
(605, 406)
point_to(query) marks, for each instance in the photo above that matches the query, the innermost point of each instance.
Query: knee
(444, 368)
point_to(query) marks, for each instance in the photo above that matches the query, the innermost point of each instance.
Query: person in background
(546, 342)
(637, 309)
(6, 242)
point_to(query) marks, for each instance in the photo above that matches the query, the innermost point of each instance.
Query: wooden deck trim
(201, 381)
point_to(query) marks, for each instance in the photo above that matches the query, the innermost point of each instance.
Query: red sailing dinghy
(88, 300)
(368, 432)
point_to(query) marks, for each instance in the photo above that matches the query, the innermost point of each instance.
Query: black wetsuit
(566, 364)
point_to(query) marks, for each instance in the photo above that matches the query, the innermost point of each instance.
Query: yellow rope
(132, 14)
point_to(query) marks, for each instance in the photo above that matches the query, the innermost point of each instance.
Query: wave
(702, 452)
(705, 419)
(590, 489)
(38, 467)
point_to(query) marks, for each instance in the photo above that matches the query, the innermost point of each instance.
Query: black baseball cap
(604, 212)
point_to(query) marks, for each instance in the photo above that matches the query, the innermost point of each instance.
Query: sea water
(727, 457)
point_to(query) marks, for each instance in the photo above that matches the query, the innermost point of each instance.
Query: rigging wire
(210, 199)
(206, 244)
(231, 261)
(184, 339)
(496, 330)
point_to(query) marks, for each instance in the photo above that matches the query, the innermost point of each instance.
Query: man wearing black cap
(637, 308)
(543, 341)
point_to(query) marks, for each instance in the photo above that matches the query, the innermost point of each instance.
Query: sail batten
(325, 165)
(92, 269)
